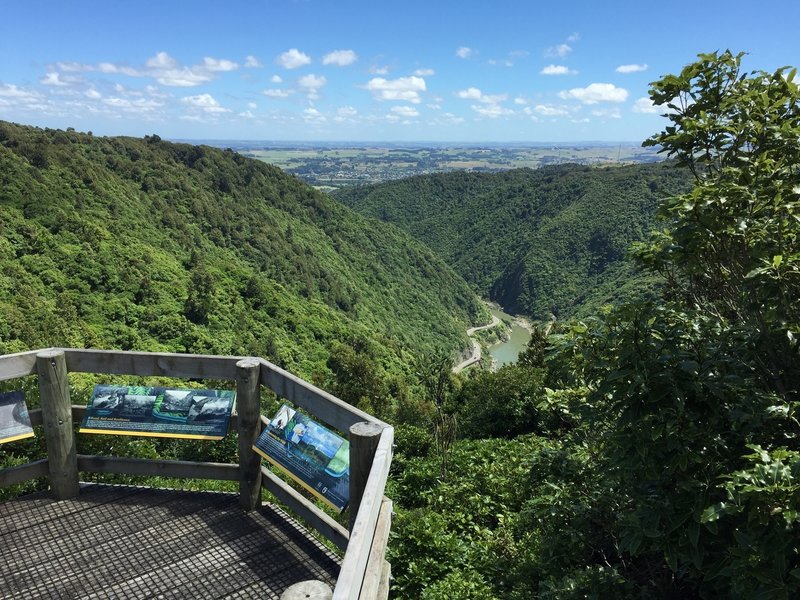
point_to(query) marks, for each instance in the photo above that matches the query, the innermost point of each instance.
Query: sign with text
(311, 454)
(158, 412)
(15, 423)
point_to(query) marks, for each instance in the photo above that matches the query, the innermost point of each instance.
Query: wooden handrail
(364, 571)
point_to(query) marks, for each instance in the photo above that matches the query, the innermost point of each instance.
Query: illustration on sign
(311, 454)
(159, 412)
(15, 422)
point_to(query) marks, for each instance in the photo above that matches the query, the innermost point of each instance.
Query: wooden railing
(364, 572)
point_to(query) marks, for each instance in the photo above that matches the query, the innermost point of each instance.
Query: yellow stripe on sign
(183, 436)
(14, 438)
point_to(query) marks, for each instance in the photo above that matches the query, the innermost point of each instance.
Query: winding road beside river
(476, 347)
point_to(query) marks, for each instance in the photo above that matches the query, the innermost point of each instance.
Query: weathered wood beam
(22, 473)
(179, 469)
(248, 410)
(305, 509)
(163, 364)
(19, 364)
(376, 564)
(57, 418)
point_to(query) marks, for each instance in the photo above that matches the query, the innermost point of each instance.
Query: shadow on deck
(133, 542)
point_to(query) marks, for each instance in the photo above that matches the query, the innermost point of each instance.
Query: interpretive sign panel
(158, 412)
(311, 454)
(15, 423)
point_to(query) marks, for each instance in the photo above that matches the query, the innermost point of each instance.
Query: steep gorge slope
(536, 241)
(143, 244)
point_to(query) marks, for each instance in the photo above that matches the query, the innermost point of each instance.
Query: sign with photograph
(158, 412)
(311, 454)
(15, 423)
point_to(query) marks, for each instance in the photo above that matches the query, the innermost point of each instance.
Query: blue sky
(437, 70)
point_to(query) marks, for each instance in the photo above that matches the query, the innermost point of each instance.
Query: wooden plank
(22, 473)
(305, 509)
(57, 417)
(326, 407)
(248, 409)
(373, 576)
(18, 365)
(354, 564)
(364, 438)
(386, 579)
(163, 364)
(180, 469)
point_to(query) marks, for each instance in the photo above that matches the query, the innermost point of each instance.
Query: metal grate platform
(135, 542)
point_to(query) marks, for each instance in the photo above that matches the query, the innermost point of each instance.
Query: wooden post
(364, 438)
(57, 419)
(248, 411)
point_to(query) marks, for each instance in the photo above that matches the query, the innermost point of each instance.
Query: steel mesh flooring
(135, 542)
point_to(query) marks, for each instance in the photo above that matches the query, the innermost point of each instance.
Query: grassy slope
(534, 240)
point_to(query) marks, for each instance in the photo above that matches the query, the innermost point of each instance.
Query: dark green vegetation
(652, 451)
(535, 241)
(143, 244)
(649, 451)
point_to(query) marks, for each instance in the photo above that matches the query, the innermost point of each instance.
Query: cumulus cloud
(375, 70)
(311, 84)
(276, 93)
(205, 103)
(610, 113)
(20, 95)
(473, 93)
(464, 52)
(549, 110)
(492, 111)
(557, 70)
(93, 94)
(631, 68)
(558, 51)
(219, 64)
(405, 111)
(251, 62)
(403, 88)
(645, 106)
(596, 92)
(292, 59)
(424, 72)
(57, 80)
(574, 37)
(276, 79)
(521, 101)
(340, 58)
(346, 111)
(252, 105)
(312, 115)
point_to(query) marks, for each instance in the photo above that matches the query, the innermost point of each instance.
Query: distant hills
(143, 244)
(536, 241)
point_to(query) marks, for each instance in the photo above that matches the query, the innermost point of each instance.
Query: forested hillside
(143, 244)
(535, 241)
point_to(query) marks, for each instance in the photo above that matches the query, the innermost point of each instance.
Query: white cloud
(424, 72)
(219, 64)
(204, 102)
(346, 111)
(292, 59)
(558, 51)
(574, 37)
(276, 79)
(9, 90)
(402, 88)
(434, 106)
(464, 52)
(645, 106)
(340, 58)
(549, 110)
(557, 70)
(54, 79)
(312, 115)
(492, 111)
(405, 111)
(521, 101)
(252, 105)
(311, 84)
(631, 68)
(378, 70)
(596, 92)
(251, 62)
(451, 118)
(93, 94)
(610, 113)
(471, 93)
(275, 93)
(311, 81)
(162, 60)
(246, 114)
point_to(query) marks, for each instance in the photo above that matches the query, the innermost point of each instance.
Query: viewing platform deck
(135, 542)
(97, 540)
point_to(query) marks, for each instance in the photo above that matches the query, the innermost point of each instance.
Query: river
(507, 352)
